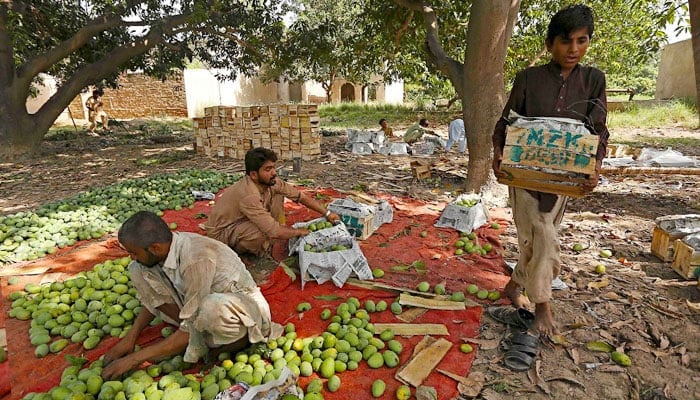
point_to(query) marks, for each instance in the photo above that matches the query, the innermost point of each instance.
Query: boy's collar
(556, 68)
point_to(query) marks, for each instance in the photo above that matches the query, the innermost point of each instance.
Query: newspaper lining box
(549, 158)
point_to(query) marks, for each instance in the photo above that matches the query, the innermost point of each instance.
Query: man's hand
(333, 218)
(119, 367)
(497, 158)
(592, 181)
(302, 232)
(122, 348)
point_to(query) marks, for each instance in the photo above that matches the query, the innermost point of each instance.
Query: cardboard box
(686, 256)
(548, 160)
(420, 169)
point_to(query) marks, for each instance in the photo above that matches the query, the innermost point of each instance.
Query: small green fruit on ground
(439, 289)
(459, 252)
(465, 348)
(600, 269)
(305, 306)
(378, 388)
(396, 308)
(325, 314)
(472, 289)
(424, 234)
(173, 225)
(621, 358)
(605, 253)
(459, 243)
(577, 247)
(423, 286)
(493, 296)
(495, 225)
(378, 272)
(403, 393)
(457, 296)
(482, 294)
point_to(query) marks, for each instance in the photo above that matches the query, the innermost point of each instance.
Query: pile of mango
(29, 235)
(335, 247)
(84, 309)
(468, 243)
(468, 203)
(317, 226)
(349, 340)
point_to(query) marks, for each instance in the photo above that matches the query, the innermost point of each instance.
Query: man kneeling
(193, 282)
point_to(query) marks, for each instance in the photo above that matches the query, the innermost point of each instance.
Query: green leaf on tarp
(384, 244)
(599, 346)
(200, 216)
(400, 267)
(77, 361)
(289, 272)
(419, 265)
(328, 297)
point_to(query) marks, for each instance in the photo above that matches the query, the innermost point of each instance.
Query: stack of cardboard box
(291, 130)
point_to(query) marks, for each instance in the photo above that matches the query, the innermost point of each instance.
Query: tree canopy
(85, 43)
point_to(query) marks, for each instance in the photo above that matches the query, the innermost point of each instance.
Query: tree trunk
(695, 31)
(489, 30)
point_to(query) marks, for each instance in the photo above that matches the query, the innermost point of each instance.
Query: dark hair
(143, 229)
(255, 158)
(570, 19)
(98, 92)
(382, 120)
(423, 122)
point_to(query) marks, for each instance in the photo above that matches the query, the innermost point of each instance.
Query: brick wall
(140, 96)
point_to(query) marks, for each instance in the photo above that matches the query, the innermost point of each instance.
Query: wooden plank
(24, 269)
(537, 175)
(415, 301)
(413, 329)
(422, 363)
(629, 171)
(411, 314)
(545, 187)
(553, 139)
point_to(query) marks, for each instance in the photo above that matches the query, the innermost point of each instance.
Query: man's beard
(271, 181)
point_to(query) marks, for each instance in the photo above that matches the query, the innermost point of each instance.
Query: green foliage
(367, 116)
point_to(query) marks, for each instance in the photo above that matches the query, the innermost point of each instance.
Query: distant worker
(414, 133)
(249, 216)
(456, 133)
(95, 112)
(388, 131)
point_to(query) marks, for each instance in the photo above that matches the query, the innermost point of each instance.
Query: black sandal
(522, 351)
(514, 317)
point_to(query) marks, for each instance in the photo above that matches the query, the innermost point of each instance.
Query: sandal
(515, 317)
(522, 351)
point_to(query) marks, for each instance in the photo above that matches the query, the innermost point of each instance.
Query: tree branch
(110, 63)
(231, 34)
(403, 29)
(33, 67)
(538, 56)
(444, 63)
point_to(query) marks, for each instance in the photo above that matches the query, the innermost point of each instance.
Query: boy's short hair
(570, 19)
(382, 120)
(423, 122)
(255, 158)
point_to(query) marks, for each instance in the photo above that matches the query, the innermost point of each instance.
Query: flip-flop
(522, 351)
(515, 317)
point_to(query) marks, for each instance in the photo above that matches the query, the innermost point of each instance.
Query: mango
(333, 383)
(378, 388)
(396, 308)
(621, 358)
(403, 393)
(376, 360)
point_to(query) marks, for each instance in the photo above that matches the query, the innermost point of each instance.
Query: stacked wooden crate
(291, 130)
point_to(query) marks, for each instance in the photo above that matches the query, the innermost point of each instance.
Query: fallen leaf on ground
(484, 344)
(607, 335)
(599, 284)
(664, 342)
(536, 378)
(565, 379)
(573, 353)
(559, 339)
(620, 324)
(611, 296)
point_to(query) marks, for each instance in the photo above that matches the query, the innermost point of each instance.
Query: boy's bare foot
(515, 294)
(93, 133)
(544, 322)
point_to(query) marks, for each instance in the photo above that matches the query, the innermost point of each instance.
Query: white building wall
(393, 93)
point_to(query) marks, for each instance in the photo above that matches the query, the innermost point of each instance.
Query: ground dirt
(640, 304)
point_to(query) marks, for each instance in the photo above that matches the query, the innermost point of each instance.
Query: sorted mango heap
(29, 235)
(83, 309)
(335, 247)
(317, 226)
(469, 243)
(468, 203)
